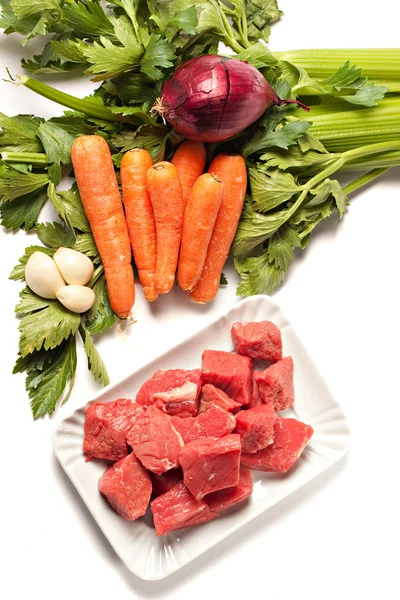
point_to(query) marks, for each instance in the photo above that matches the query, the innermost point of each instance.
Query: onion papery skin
(212, 98)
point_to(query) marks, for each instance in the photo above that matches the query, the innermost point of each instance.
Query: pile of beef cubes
(190, 437)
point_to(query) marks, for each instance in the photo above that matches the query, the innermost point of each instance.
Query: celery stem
(230, 38)
(32, 158)
(85, 106)
(363, 180)
(370, 149)
(97, 273)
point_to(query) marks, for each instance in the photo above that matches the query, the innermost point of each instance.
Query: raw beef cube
(255, 399)
(204, 517)
(275, 384)
(258, 340)
(229, 372)
(256, 427)
(213, 422)
(155, 441)
(177, 388)
(219, 501)
(181, 401)
(213, 395)
(127, 487)
(183, 425)
(291, 437)
(165, 481)
(177, 509)
(210, 464)
(106, 427)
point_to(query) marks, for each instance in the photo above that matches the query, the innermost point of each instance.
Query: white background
(336, 538)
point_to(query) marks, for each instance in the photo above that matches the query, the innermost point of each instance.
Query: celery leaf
(254, 228)
(95, 362)
(259, 276)
(106, 58)
(281, 246)
(271, 189)
(158, 53)
(100, 316)
(68, 50)
(348, 78)
(85, 243)
(45, 324)
(48, 374)
(55, 235)
(87, 18)
(14, 183)
(19, 134)
(57, 143)
(23, 212)
(260, 15)
(258, 55)
(282, 137)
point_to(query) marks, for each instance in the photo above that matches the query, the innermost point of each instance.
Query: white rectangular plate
(135, 542)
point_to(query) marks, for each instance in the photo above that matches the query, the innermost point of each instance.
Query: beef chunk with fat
(179, 389)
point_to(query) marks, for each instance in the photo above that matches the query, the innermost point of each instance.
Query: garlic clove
(42, 275)
(77, 298)
(75, 267)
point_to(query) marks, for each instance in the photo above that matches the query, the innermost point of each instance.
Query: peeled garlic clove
(42, 275)
(75, 267)
(77, 298)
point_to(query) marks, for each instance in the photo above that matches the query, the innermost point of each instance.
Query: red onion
(212, 98)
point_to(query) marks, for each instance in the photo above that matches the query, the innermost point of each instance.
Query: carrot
(140, 217)
(189, 159)
(198, 224)
(232, 172)
(101, 200)
(166, 197)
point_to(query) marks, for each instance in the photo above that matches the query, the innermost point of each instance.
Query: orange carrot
(166, 197)
(198, 224)
(140, 217)
(232, 172)
(101, 200)
(189, 159)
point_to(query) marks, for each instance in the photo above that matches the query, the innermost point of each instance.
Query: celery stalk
(88, 107)
(37, 159)
(326, 105)
(393, 85)
(341, 130)
(376, 63)
(376, 161)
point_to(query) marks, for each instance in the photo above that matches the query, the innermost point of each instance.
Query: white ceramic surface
(135, 542)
